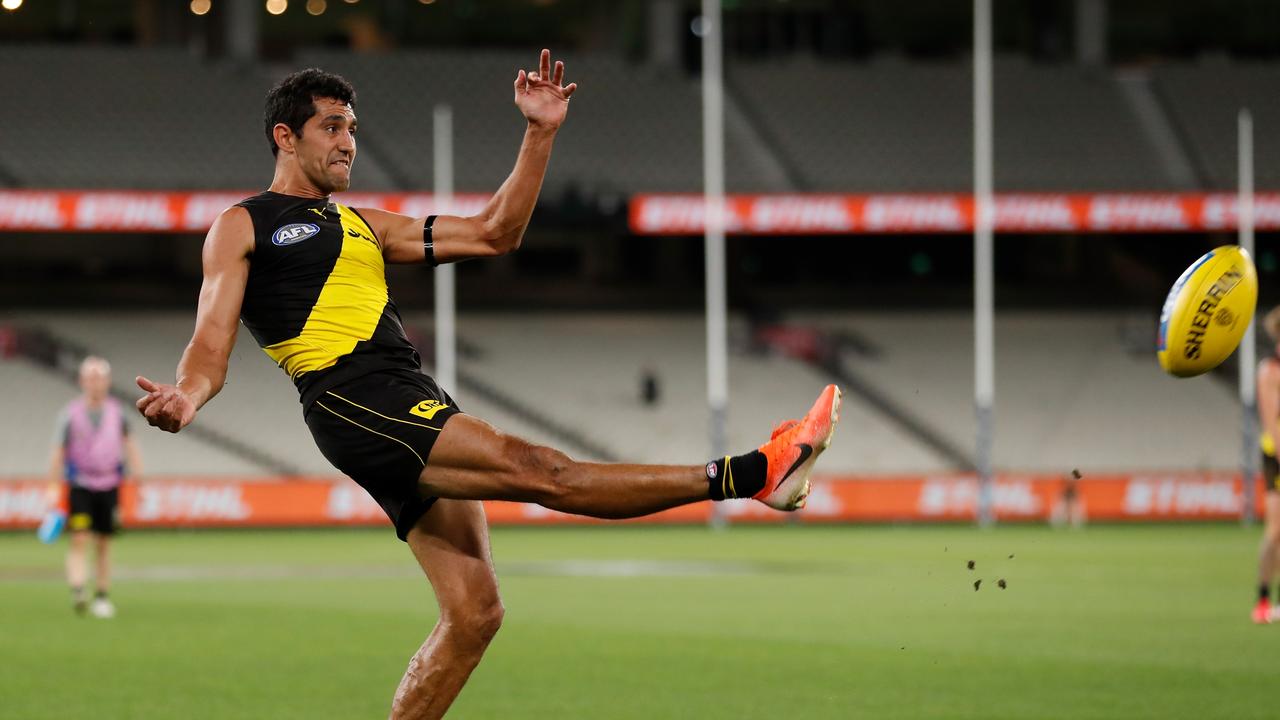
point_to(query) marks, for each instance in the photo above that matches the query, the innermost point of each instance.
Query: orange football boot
(1261, 613)
(792, 450)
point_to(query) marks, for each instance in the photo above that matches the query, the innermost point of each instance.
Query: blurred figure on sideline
(1268, 417)
(1068, 509)
(92, 455)
(650, 387)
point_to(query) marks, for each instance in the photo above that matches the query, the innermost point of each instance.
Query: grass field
(628, 622)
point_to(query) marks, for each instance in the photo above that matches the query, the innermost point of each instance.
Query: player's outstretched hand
(165, 406)
(540, 95)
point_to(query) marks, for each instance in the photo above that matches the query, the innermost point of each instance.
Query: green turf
(1109, 622)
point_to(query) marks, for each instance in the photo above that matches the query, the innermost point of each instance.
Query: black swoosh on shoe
(805, 452)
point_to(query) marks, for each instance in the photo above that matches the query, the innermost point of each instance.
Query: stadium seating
(34, 397)
(258, 408)
(586, 369)
(1204, 99)
(631, 128)
(1073, 391)
(132, 119)
(900, 126)
(176, 121)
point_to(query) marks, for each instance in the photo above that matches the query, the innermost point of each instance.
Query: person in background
(1068, 509)
(650, 387)
(1269, 419)
(92, 454)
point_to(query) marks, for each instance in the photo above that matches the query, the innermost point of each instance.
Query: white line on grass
(558, 568)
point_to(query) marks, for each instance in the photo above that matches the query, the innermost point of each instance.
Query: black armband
(429, 245)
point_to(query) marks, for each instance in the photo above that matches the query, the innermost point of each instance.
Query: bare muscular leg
(451, 543)
(77, 566)
(103, 573)
(473, 460)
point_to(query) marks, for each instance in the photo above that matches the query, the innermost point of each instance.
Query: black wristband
(429, 245)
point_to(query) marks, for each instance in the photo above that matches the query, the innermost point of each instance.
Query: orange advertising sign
(159, 211)
(872, 213)
(323, 501)
(682, 214)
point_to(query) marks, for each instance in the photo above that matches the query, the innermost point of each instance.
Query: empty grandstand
(574, 381)
(806, 116)
(181, 122)
(1019, 514)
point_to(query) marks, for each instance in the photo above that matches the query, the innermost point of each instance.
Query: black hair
(292, 101)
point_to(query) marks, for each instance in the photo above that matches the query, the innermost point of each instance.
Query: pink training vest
(95, 455)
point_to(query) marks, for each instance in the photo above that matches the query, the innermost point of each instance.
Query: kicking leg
(451, 543)
(471, 460)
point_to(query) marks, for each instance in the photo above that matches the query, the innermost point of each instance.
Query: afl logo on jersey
(294, 233)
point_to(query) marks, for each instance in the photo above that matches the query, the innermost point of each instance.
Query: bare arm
(203, 368)
(499, 228)
(57, 465)
(1269, 400)
(132, 458)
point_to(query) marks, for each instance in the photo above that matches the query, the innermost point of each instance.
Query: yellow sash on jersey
(348, 309)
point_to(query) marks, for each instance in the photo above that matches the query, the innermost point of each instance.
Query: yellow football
(1207, 312)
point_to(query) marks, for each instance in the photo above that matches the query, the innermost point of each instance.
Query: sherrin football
(1207, 312)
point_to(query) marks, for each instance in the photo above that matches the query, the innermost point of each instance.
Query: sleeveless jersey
(94, 454)
(316, 299)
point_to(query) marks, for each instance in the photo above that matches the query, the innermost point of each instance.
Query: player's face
(95, 380)
(327, 148)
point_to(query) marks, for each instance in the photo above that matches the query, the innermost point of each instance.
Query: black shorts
(378, 430)
(96, 510)
(1270, 473)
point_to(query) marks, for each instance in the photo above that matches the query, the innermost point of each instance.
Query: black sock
(1264, 592)
(100, 595)
(740, 476)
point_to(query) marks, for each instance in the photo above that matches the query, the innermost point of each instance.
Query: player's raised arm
(203, 368)
(499, 228)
